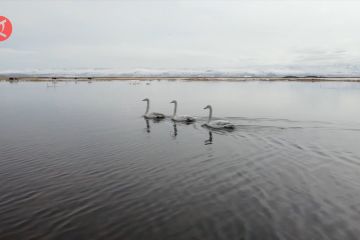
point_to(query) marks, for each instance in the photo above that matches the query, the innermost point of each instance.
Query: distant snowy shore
(232, 79)
(319, 72)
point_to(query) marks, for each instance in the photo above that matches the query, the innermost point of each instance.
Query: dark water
(78, 161)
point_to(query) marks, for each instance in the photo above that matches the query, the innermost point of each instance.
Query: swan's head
(207, 107)
(173, 101)
(146, 99)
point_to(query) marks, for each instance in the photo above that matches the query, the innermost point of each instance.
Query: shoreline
(226, 79)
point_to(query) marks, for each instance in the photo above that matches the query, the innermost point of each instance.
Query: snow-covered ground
(323, 71)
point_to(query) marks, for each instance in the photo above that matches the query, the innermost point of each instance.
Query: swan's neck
(147, 107)
(210, 114)
(175, 109)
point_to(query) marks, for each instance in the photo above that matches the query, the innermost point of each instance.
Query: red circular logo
(5, 28)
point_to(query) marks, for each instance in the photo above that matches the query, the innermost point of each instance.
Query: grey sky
(181, 34)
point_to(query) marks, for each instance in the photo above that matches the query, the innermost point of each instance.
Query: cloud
(181, 34)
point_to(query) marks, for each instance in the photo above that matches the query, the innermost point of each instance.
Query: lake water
(79, 162)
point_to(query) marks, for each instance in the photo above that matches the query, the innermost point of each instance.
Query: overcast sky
(180, 34)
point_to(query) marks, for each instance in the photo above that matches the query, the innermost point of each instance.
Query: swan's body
(218, 124)
(153, 115)
(183, 118)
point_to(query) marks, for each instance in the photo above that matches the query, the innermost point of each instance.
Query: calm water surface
(79, 162)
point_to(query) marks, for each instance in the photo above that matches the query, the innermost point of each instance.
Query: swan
(152, 115)
(183, 118)
(217, 123)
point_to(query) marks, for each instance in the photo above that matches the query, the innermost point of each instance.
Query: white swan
(183, 118)
(217, 123)
(152, 115)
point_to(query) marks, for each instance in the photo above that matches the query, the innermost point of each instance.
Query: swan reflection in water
(147, 121)
(175, 133)
(175, 124)
(210, 140)
(147, 125)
